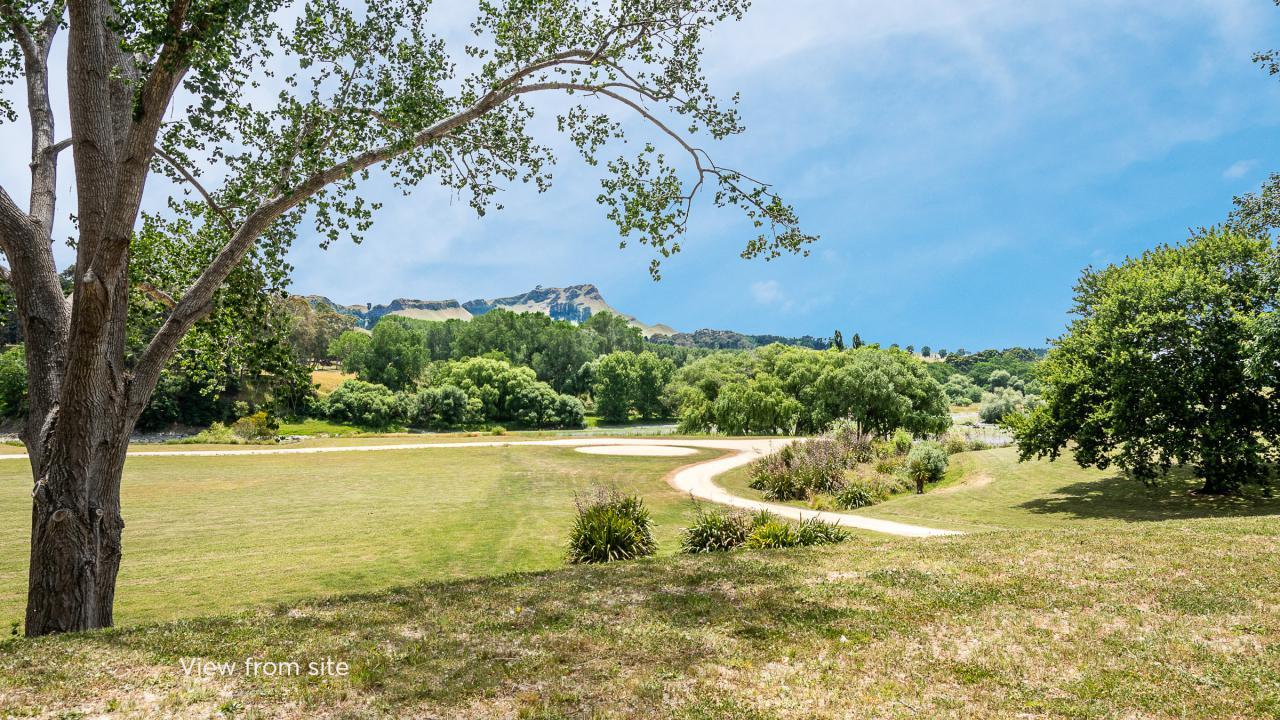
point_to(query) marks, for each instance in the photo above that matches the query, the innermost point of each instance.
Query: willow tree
(250, 117)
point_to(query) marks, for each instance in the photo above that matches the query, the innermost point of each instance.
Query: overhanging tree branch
(191, 180)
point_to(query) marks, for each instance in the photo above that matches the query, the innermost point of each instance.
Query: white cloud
(769, 292)
(1238, 169)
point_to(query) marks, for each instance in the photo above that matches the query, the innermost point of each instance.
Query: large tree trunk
(76, 525)
(75, 549)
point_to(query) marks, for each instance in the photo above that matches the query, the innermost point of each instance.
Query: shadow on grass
(1172, 498)
(570, 633)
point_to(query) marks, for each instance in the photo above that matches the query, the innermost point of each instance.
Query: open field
(1170, 620)
(214, 534)
(326, 379)
(1086, 596)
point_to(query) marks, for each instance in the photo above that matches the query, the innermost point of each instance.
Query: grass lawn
(1089, 597)
(214, 534)
(326, 379)
(1161, 620)
(991, 490)
(316, 426)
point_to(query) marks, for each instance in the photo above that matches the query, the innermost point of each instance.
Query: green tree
(13, 382)
(242, 118)
(856, 342)
(496, 390)
(1169, 361)
(614, 333)
(438, 407)
(313, 329)
(562, 351)
(397, 353)
(881, 391)
(616, 378)
(837, 341)
(351, 349)
(1001, 404)
(925, 351)
(365, 404)
(653, 374)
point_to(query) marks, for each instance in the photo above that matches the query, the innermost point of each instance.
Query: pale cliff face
(574, 304)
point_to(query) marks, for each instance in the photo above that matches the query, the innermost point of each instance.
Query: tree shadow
(1174, 497)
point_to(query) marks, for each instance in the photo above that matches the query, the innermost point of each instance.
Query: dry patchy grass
(1165, 620)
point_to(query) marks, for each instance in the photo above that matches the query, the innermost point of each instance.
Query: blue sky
(962, 160)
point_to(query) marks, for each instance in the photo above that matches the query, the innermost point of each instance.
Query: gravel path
(697, 479)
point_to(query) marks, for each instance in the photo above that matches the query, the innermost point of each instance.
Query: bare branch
(157, 294)
(15, 225)
(191, 179)
(58, 147)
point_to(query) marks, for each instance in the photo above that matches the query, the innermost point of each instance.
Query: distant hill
(730, 340)
(575, 304)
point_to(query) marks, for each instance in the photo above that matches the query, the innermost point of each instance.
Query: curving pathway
(696, 479)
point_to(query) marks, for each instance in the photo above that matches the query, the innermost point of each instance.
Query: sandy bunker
(647, 450)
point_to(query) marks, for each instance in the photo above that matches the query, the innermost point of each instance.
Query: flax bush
(611, 526)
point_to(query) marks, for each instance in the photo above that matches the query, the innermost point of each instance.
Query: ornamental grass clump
(857, 446)
(770, 532)
(715, 531)
(815, 532)
(771, 535)
(722, 530)
(611, 526)
(861, 490)
(802, 468)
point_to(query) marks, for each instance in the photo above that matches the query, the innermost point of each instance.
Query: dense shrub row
(612, 526)
(466, 392)
(788, 390)
(719, 530)
(851, 468)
